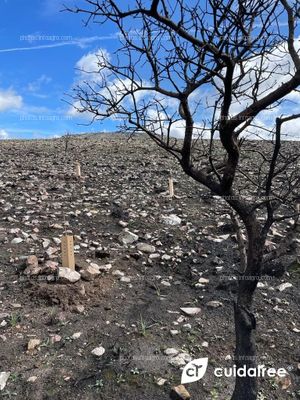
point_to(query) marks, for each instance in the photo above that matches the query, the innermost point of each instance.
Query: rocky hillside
(154, 283)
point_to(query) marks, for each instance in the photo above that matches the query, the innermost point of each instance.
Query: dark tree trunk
(245, 324)
(245, 354)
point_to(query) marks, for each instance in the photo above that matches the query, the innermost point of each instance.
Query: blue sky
(39, 50)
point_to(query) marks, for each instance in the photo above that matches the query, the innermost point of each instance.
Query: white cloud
(3, 134)
(10, 100)
(90, 64)
(36, 85)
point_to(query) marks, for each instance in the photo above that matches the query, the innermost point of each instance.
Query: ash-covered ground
(141, 257)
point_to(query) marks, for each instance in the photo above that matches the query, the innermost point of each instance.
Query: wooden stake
(67, 251)
(78, 169)
(171, 187)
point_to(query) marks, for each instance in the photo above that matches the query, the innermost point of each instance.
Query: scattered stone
(123, 224)
(55, 339)
(179, 393)
(3, 379)
(187, 327)
(171, 219)
(46, 243)
(79, 309)
(161, 381)
(125, 279)
(32, 266)
(32, 379)
(203, 281)
(145, 248)
(191, 311)
(180, 360)
(118, 273)
(128, 237)
(171, 352)
(68, 275)
(284, 381)
(98, 351)
(214, 304)
(284, 286)
(17, 241)
(90, 273)
(33, 344)
(76, 335)
(105, 268)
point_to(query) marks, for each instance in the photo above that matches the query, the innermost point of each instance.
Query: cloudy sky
(40, 49)
(41, 52)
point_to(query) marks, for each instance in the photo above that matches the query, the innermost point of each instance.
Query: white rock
(123, 224)
(154, 256)
(171, 352)
(191, 310)
(69, 275)
(90, 273)
(214, 304)
(125, 279)
(117, 272)
(261, 285)
(105, 268)
(187, 327)
(171, 219)
(128, 237)
(33, 344)
(161, 381)
(98, 351)
(17, 241)
(76, 335)
(32, 379)
(180, 360)
(284, 286)
(46, 243)
(203, 281)
(145, 248)
(3, 379)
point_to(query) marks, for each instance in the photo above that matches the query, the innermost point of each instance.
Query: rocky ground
(153, 287)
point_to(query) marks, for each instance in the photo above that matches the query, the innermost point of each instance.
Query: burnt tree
(204, 79)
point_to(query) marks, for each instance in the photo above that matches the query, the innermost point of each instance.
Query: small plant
(261, 396)
(143, 327)
(120, 379)
(97, 385)
(46, 343)
(135, 371)
(214, 394)
(14, 376)
(274, 384)
(157, 289)
(15, 318)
